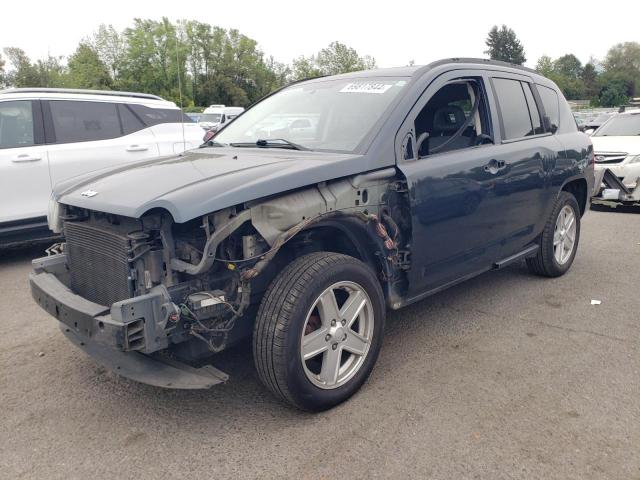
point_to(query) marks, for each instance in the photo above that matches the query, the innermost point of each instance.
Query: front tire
(319, 330)
(559, 239)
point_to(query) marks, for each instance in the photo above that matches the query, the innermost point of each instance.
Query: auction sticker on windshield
(366, 87)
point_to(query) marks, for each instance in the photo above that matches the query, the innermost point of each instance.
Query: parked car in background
(217, 116)
(394, 185)
(617, 146)
(591, 125)
(51, 135)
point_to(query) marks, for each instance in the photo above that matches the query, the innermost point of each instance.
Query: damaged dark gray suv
(302, 221)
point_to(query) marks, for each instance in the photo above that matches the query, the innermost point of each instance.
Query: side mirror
(407, 147)
(421, 139)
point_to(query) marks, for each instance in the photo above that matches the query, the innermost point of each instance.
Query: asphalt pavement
(505, 376)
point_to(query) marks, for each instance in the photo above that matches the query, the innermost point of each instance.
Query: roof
(418, 70)
(82, 94)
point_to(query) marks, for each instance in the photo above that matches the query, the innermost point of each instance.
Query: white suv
(49, 135)
(616, 145)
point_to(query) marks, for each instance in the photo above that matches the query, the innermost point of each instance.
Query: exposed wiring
(276, 246)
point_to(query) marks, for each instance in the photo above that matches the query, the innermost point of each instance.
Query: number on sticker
(366, 87)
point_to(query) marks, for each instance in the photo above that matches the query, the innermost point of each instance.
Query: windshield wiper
(272, 143)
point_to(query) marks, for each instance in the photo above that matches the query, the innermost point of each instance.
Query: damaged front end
(610, 190)
(152, 300)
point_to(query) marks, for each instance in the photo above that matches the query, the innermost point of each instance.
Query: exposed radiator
(97, 260)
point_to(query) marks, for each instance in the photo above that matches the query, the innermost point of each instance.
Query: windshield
(620, 126)
(333, 115)
(211, 117)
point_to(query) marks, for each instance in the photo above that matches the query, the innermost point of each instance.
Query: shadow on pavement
(616, 209)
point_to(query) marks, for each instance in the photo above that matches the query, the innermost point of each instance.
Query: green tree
(111, 48)
(339, 58)
(503, 44)
(2, 72)
(24, 73)
(334, 59)
(567, 72)
(613, 94)
(225, 66)
(545, 65)
(622, 64)
(590, 79)
(154, 58)
(568, 65)
(86, 70)
(305, 67)
(51, 72)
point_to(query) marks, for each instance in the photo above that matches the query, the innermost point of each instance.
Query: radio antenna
(184, 141)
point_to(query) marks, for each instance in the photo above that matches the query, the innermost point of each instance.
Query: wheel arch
(579, 189)
(348, 235)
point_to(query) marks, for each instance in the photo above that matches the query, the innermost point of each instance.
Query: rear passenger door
(85, 136)
(527, 156)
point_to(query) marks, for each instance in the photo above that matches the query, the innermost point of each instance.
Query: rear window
(550, 102)
(156, 116)
(620, 126)
(534, 113)
(513, 106)
(130, 122)
(78, 121)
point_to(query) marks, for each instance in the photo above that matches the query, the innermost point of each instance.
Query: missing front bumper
(152, 370)
(126, 338)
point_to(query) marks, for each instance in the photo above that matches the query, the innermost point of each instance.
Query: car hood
(204, 180)
(629, 145)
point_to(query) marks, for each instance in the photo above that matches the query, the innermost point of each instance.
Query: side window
(78, 121)
(16, 124)
(551, 104)
(455, 117)
(534, 113)
(513, 106)
(130, 122)
(155, 116)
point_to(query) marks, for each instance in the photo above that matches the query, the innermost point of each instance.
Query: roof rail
(79, 91)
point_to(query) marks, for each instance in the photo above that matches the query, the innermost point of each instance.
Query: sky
(393, 33)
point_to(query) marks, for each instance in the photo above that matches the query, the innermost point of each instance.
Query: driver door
(455, 211)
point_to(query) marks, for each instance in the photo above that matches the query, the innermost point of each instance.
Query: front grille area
(610, 157)
(97, 260)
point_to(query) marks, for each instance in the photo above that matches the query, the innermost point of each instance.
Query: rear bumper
(124, 337)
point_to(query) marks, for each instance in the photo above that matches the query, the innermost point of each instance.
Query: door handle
(25, 158)
(137, 148)
(494, 166)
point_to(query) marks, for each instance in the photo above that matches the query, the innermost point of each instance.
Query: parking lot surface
(505, 376)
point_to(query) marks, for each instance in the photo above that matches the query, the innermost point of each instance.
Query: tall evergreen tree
(503, 44)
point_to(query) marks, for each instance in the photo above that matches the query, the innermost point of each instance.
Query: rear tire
(325, 307)
(558, 232)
